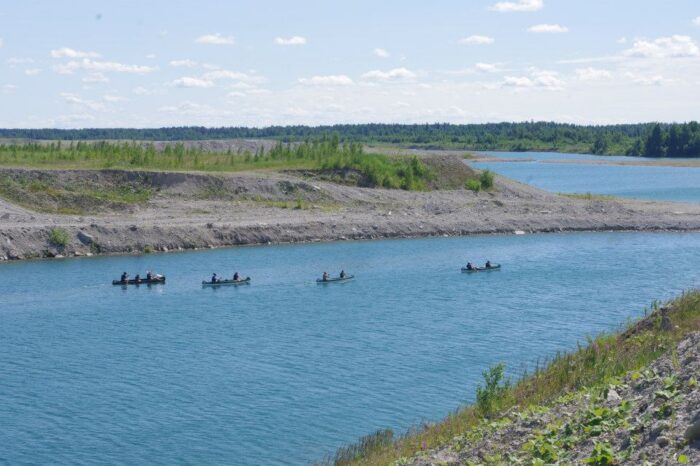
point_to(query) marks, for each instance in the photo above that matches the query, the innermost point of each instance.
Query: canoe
(335, 279)
(482, 269)
(142, 281)
(227, 282)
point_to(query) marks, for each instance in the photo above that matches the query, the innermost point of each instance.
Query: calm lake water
(642, 182)
(284, 371)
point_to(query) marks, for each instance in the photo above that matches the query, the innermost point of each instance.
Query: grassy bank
(325, 155)
(589, 196)
(598, 364)
(49, 194)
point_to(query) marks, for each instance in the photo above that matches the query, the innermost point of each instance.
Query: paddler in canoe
(125, 277)
(214, 278)
(469, 266)
(325, 277)
(236, 277)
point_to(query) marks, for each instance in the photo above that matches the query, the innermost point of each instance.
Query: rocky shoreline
(199, 211)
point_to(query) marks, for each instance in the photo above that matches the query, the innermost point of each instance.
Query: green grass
(51, 196)
(59, 237)
(589, 196)
(484, 182)
(473, 185)
(377, 170)
(601, 361)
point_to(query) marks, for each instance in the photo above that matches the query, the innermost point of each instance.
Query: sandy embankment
(190, 211)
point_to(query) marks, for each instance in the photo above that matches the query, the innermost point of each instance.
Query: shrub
(59, 237)
(365, 446)
(488, 396)
(486, 180)
(147, 249)
(473, 185)
(602, 455)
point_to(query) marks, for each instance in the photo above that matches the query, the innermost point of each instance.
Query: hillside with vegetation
(326, 157)
(644, 139)
(625, 398)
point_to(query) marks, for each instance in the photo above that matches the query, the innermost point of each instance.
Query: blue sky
(256, 63)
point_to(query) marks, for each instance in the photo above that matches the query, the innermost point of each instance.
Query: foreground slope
(625, 398)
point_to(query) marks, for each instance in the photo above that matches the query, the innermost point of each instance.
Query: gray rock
(663, 442)
(692, 433)
(86, 238)
(14, 255)
(5, 216)
(613, 395)
(658, 429)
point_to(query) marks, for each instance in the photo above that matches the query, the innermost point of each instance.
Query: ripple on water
(284, 371)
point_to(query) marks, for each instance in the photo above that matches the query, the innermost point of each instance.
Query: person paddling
(137, 278)
(214, 279)
(488, 264)
(342, 274)
(125, 277)
(470, 266)
(325, 276)
(236, 277)
(149, 275)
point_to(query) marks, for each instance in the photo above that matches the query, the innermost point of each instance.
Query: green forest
(324, 155)
(644, 139)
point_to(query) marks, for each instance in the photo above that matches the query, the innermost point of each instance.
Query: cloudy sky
(255, 63)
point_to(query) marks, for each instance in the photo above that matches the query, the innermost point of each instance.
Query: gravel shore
(194, 210)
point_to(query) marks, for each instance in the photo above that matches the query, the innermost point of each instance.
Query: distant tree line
(644, 139)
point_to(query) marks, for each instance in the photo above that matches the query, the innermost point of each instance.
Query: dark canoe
(227, 282)
(142, 281)
(482, 269)
(335, 280)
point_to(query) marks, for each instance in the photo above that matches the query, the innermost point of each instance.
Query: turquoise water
(284, 371)
(642, 182)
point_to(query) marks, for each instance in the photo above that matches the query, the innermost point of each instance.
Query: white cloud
(477, 40)
(19, 61)
(592, 74)
(486, 67)
(141, 91)
(231, 75)
(329, 80)
(675, 46)
(294, 40)
(538, 79)
(548, 28)
(95, 78)
(65, 52)
(519, 5)
(381, 53)
(396, 74)
(188, 81)
(215, 39)
(78, 101)
(241, 85)
(656, 80)
(101, 66)
(622, 40)
(151, 56)
(193, 109)
(696, 21)
(518, 81)
(113, 98)
(186, 63)
(32, 71)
